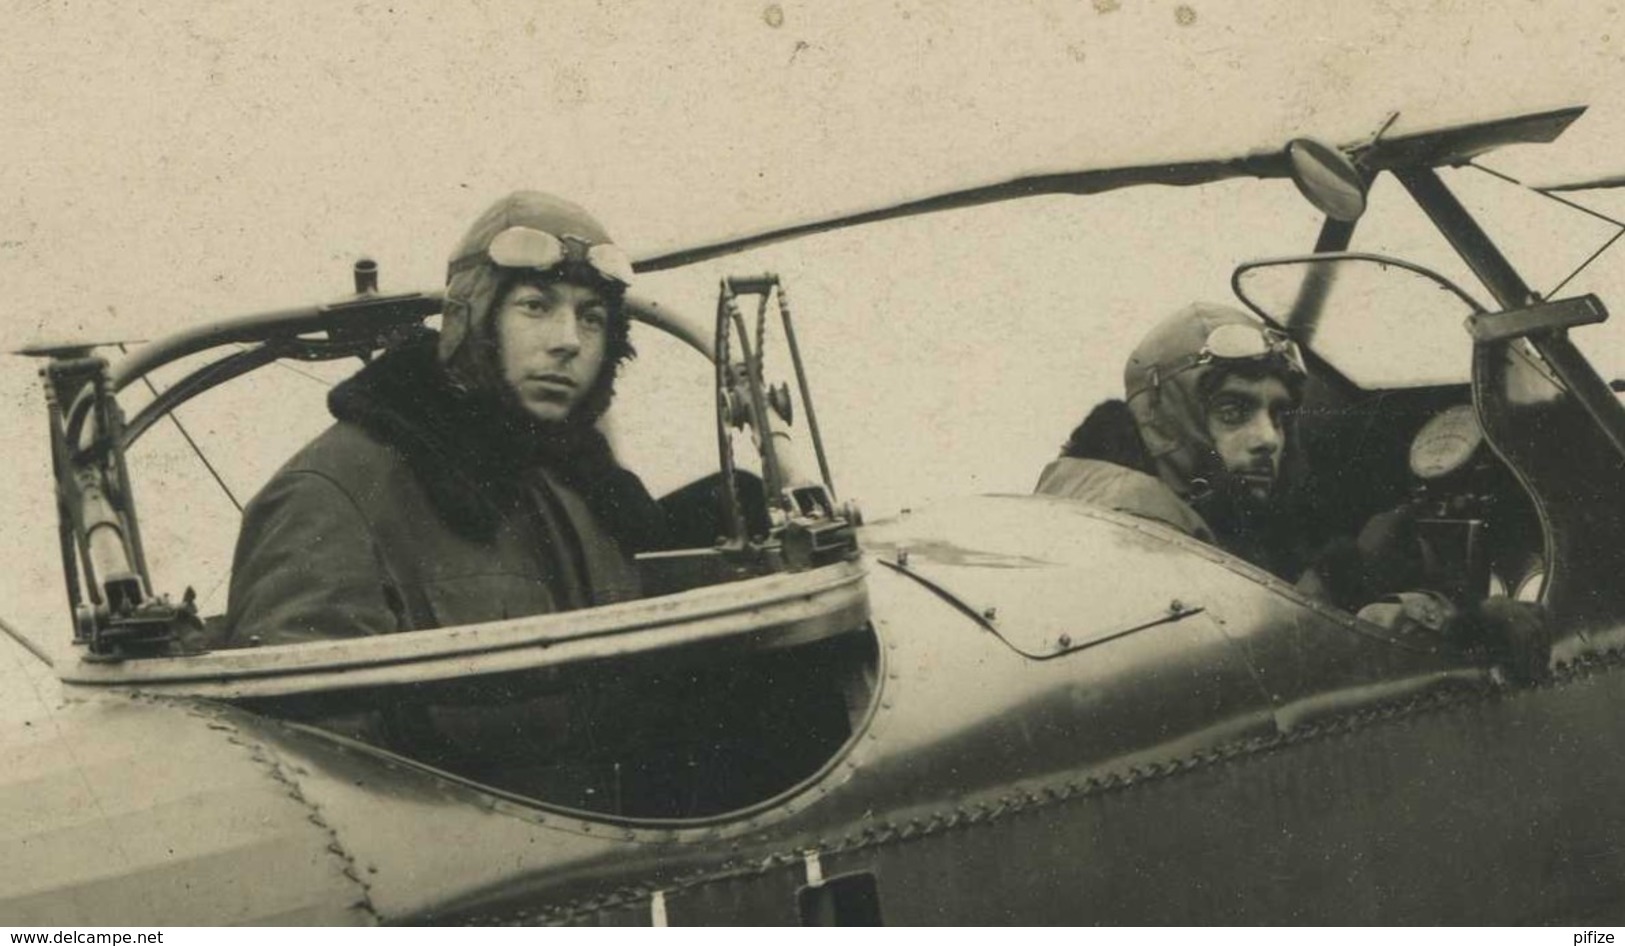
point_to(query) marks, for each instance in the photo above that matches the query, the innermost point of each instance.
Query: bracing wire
(187, 436)
(1572, 205)
(1588, 261)
(300, 372)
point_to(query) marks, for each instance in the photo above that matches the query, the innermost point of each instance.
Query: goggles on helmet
(529, 248)
(1235, 342)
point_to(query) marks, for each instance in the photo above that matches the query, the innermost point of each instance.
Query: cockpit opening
(643, 736)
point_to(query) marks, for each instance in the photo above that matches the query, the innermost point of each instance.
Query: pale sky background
(166, 164)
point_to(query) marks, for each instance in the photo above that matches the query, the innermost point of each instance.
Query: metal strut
(1492, 268)
(805, 526)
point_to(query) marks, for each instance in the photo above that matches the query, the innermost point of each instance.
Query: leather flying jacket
(428, 506)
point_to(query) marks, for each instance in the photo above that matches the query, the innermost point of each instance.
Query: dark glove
(1514, 635)
(1336, 575)
(1391, 552)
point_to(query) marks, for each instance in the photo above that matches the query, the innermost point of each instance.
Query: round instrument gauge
(1446, 443)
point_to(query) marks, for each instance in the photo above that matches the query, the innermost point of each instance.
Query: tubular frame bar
(1479, 252)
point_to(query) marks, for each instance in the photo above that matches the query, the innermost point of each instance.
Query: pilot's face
(552, 342)
(1246, 420)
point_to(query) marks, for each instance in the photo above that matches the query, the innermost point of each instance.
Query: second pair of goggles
(529, 248)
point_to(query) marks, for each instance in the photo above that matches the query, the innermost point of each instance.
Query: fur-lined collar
(1110, 434)
(470, 449)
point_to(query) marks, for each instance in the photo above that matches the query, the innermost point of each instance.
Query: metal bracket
(806, 526)
(1540, 317)
(113, 609)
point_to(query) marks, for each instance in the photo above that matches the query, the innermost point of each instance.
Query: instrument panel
(1479, 530)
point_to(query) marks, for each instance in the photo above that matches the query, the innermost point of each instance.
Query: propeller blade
(1432, 148)
(1073, 182)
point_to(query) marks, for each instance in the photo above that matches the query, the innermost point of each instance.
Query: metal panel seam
(274, 769)
(1033, 798)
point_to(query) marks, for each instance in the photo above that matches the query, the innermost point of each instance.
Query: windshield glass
(1378, 322)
